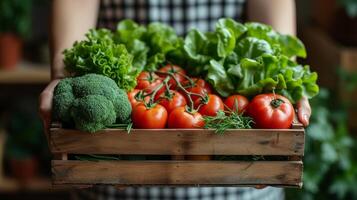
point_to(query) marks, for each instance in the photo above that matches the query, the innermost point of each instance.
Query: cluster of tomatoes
(169, 98)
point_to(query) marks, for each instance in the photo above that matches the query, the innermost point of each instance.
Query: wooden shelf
(37, 184)
(26, 73)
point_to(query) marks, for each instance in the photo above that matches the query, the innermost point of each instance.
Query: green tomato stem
(276, 103)
(157, 89)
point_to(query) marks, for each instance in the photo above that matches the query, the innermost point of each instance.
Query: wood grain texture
(280, 173)
(179, 142)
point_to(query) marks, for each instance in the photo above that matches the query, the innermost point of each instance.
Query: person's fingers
(45, 104)
(304, 111)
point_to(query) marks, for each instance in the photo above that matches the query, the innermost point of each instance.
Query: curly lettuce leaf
(99, 54)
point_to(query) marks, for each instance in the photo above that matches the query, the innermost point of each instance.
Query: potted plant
(15, 19)
(24, 143)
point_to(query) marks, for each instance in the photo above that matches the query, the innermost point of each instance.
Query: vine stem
(183, 88)
(154, 92)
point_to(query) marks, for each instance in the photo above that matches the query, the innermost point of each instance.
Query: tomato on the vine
(271, 111)
(154, 117)
(197, 90)
(199, 82)
(210, 105)
(237, 103)
(181, 118)
(146, 79)
(133, 101)
(171, 101)
(177, 71)
(153, 86)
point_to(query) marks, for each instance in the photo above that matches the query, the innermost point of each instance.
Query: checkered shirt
(179, 193)
(182, 15)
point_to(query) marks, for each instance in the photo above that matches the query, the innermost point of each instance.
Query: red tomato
(170, 103)
(178, 74)
(197, 90)
(180, 118)
(131, 97)
(146, 79)
(211, 107)
(201, 83)
(271, 111)
(237, 103)
(153, 86)
(147, 118)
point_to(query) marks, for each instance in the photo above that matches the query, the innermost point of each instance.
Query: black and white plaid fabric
(180, 193)
(181, 14)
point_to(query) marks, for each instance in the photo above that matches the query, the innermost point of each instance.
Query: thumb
(45, 105)
(304, 111)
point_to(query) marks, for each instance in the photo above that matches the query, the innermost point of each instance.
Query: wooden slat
(26, 73)
(281, 173)
(179, 142)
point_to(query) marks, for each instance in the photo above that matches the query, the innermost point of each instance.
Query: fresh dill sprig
(227, 120)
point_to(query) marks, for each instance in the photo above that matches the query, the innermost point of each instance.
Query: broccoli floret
(92, 113)
(63, 100)
(122, 106)
(91, 101)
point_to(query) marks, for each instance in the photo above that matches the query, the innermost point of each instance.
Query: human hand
(45, 105)
(303, 111)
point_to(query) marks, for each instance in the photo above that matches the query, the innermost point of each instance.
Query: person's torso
(181, 14)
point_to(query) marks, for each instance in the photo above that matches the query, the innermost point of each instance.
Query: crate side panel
(283, 173)
(179, 142)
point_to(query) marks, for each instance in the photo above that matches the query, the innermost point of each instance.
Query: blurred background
(327, 27)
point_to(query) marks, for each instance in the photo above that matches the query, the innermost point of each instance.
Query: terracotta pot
(10, 50)
(24, 169)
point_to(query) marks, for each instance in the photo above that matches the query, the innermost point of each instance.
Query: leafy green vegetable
(249, 59)
(151, 46)
(99, 54)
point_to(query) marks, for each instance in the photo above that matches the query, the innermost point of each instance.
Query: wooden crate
(286, 143)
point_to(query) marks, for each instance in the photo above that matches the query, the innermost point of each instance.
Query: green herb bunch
(227, 120)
